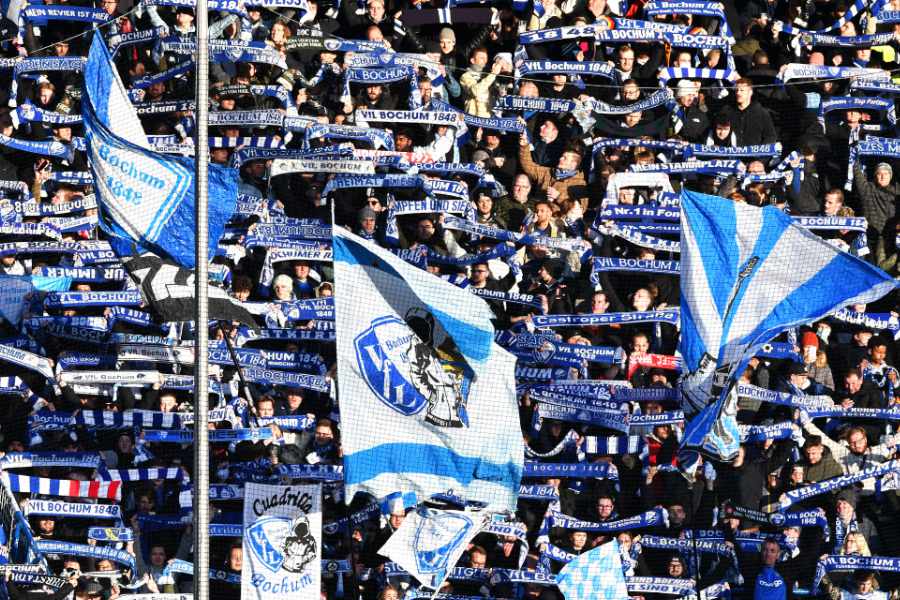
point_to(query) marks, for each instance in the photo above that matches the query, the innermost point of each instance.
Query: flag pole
(201, 282)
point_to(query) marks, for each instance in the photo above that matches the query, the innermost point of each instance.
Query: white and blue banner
(430, 541)
(282, 542)
(142, 195)
(742, 284)
(419, 358)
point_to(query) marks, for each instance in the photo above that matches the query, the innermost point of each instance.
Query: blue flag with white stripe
(428, 400)
(747, 274)
(146, 199)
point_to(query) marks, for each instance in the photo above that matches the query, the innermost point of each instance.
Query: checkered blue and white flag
(595, 574)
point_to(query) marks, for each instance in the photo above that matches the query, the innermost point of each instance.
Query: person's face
(832, 204)
(579, 539)
(797, 475)
(294, 400)
(282, 291)
(599, 303)
(604, 507)
(403, 143)
(688, 99)
(543, 214)
(858, 442)
(677, 514)
(106, 566)
(865, 586)
(744, 93)
(265, 408)
(46, 526)
(156, 90)
(626, 60)
(109, 6)
(632, 119)
(167, 401)
(376, 10)
(446, 45)
(862, 337)
(368, 224)
(521, 189)
(814, 454)
(391, 594)
(477, 560)
(568, 161)
(145, 504)
(548, 131)
(236, 559)
(631, 91)
(373, 92)
(425, 91)
(641, 345)
(157, 556)
(844, 510)
(479, 59)
(883, 177)
(853, 117)
(879, 353)
(624, 540)
(124, 444)
(301, 270)
(184, 20)
(479, 274)
(45, 95)
(853, 383)
(642, 300)
(397, 519)
(323, 434)
(676, 569)
(770, 553)
(425, 230)
(61, 48)
(723, 131)
(850, 546)
(16, 446)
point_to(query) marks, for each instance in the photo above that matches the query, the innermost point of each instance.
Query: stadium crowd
(551, 190)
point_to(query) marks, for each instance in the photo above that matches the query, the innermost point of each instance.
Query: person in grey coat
(878, 197)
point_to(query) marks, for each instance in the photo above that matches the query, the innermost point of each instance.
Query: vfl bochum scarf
(807, 518)
(879, 321)
(791, 497)
(98, 552)
(852, 562)
(63, 487)
(73, 509)
(670, 316)
(653, 518)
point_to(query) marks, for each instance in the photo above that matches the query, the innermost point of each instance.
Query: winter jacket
(476, 87)
(879, 203)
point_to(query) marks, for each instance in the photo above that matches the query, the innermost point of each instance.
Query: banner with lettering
(282, 542)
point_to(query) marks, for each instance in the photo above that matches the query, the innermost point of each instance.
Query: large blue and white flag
(748, 274)
(430, 541)
(428, 400)
(595, 574)
(145, 198)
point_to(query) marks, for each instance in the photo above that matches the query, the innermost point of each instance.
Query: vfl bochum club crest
(281, 543)
(409, 371)
(437, 536)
